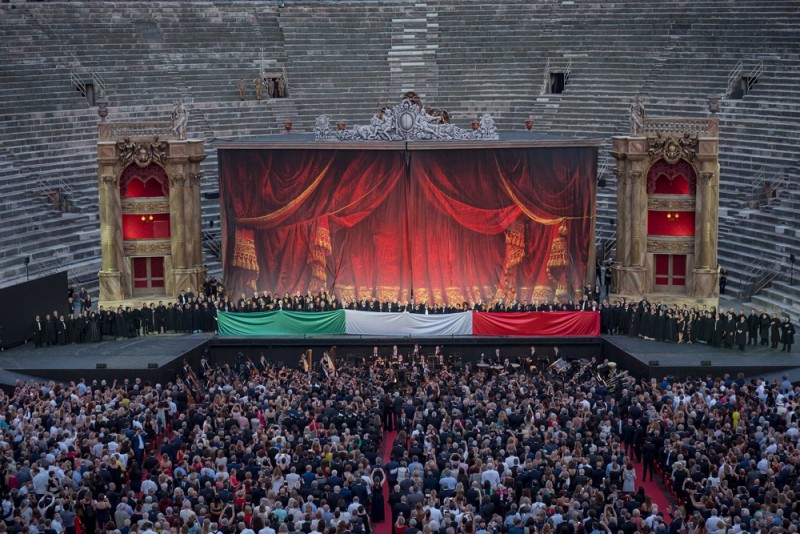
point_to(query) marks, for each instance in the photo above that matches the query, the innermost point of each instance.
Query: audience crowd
(249, 448)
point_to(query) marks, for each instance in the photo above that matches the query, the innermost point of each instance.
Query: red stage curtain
(287, 209)
(486, 223)
(453, 226)
(536, 324)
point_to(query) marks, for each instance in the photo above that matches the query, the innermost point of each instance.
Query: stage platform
(158, 358)
(129, 358)
(656, 359)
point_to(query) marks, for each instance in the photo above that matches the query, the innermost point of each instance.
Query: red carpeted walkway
(652, 489)
(386, 526)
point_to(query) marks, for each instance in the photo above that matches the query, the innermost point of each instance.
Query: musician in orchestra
(327, 365)
(557, 354)
(497, 359)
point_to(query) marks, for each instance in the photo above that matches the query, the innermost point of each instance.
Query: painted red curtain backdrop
(439, 225)
(536, 324)
(487, 224)
(299, 220)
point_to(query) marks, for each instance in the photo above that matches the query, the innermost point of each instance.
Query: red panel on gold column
(670, 223)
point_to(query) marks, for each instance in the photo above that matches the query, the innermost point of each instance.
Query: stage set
(411, 209)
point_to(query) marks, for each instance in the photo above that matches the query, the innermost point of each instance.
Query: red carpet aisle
(386, 526)
(652, 489)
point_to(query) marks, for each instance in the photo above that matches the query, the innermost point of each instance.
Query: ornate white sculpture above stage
(407, 121)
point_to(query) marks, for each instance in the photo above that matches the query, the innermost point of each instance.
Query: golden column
(177, 228)
(110, 237)
(638, 206)
(623, 230)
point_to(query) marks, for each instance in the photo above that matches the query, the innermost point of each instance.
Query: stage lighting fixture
(152, 365)
(101, 365)
(654, 363)
(705, 363)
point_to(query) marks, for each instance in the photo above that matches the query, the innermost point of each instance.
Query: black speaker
(705, 363)
(152, 365)
(612, 222)
(601, 182)
(654, 363)
(28, 259)
(101, 366)
(791, 258)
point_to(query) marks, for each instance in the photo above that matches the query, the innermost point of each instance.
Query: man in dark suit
(649, 452)
(38, 332)
(404, 423)
(50, 336)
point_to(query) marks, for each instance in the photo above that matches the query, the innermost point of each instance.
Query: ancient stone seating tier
(346, 58)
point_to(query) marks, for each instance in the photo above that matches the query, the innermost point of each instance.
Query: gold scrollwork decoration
(108, 180)
(147, 248)
(661, 246)
(677, 204)
(150, 206)
(672, 148)
(635, 176)
(143, 153)
(177, 179)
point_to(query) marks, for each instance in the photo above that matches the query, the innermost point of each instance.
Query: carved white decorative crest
(407, 121)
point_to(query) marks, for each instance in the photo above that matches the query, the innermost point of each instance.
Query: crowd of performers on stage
(682, 324)
(325, 301)
(249, 447)
(191, 313)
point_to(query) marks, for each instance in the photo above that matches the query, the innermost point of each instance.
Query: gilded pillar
(705, 229)
(623, 218)
(177, 228)
(637, 191)
(108, 222)
(110, 276)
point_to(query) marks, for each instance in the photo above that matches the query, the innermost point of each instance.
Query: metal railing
(546, 76)
(59, 195)
(212, 241)
(734, 78)
(739, 81)
(602, 170)
(78, 80)
(754, 75)
(764, 189)
(759, 274)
